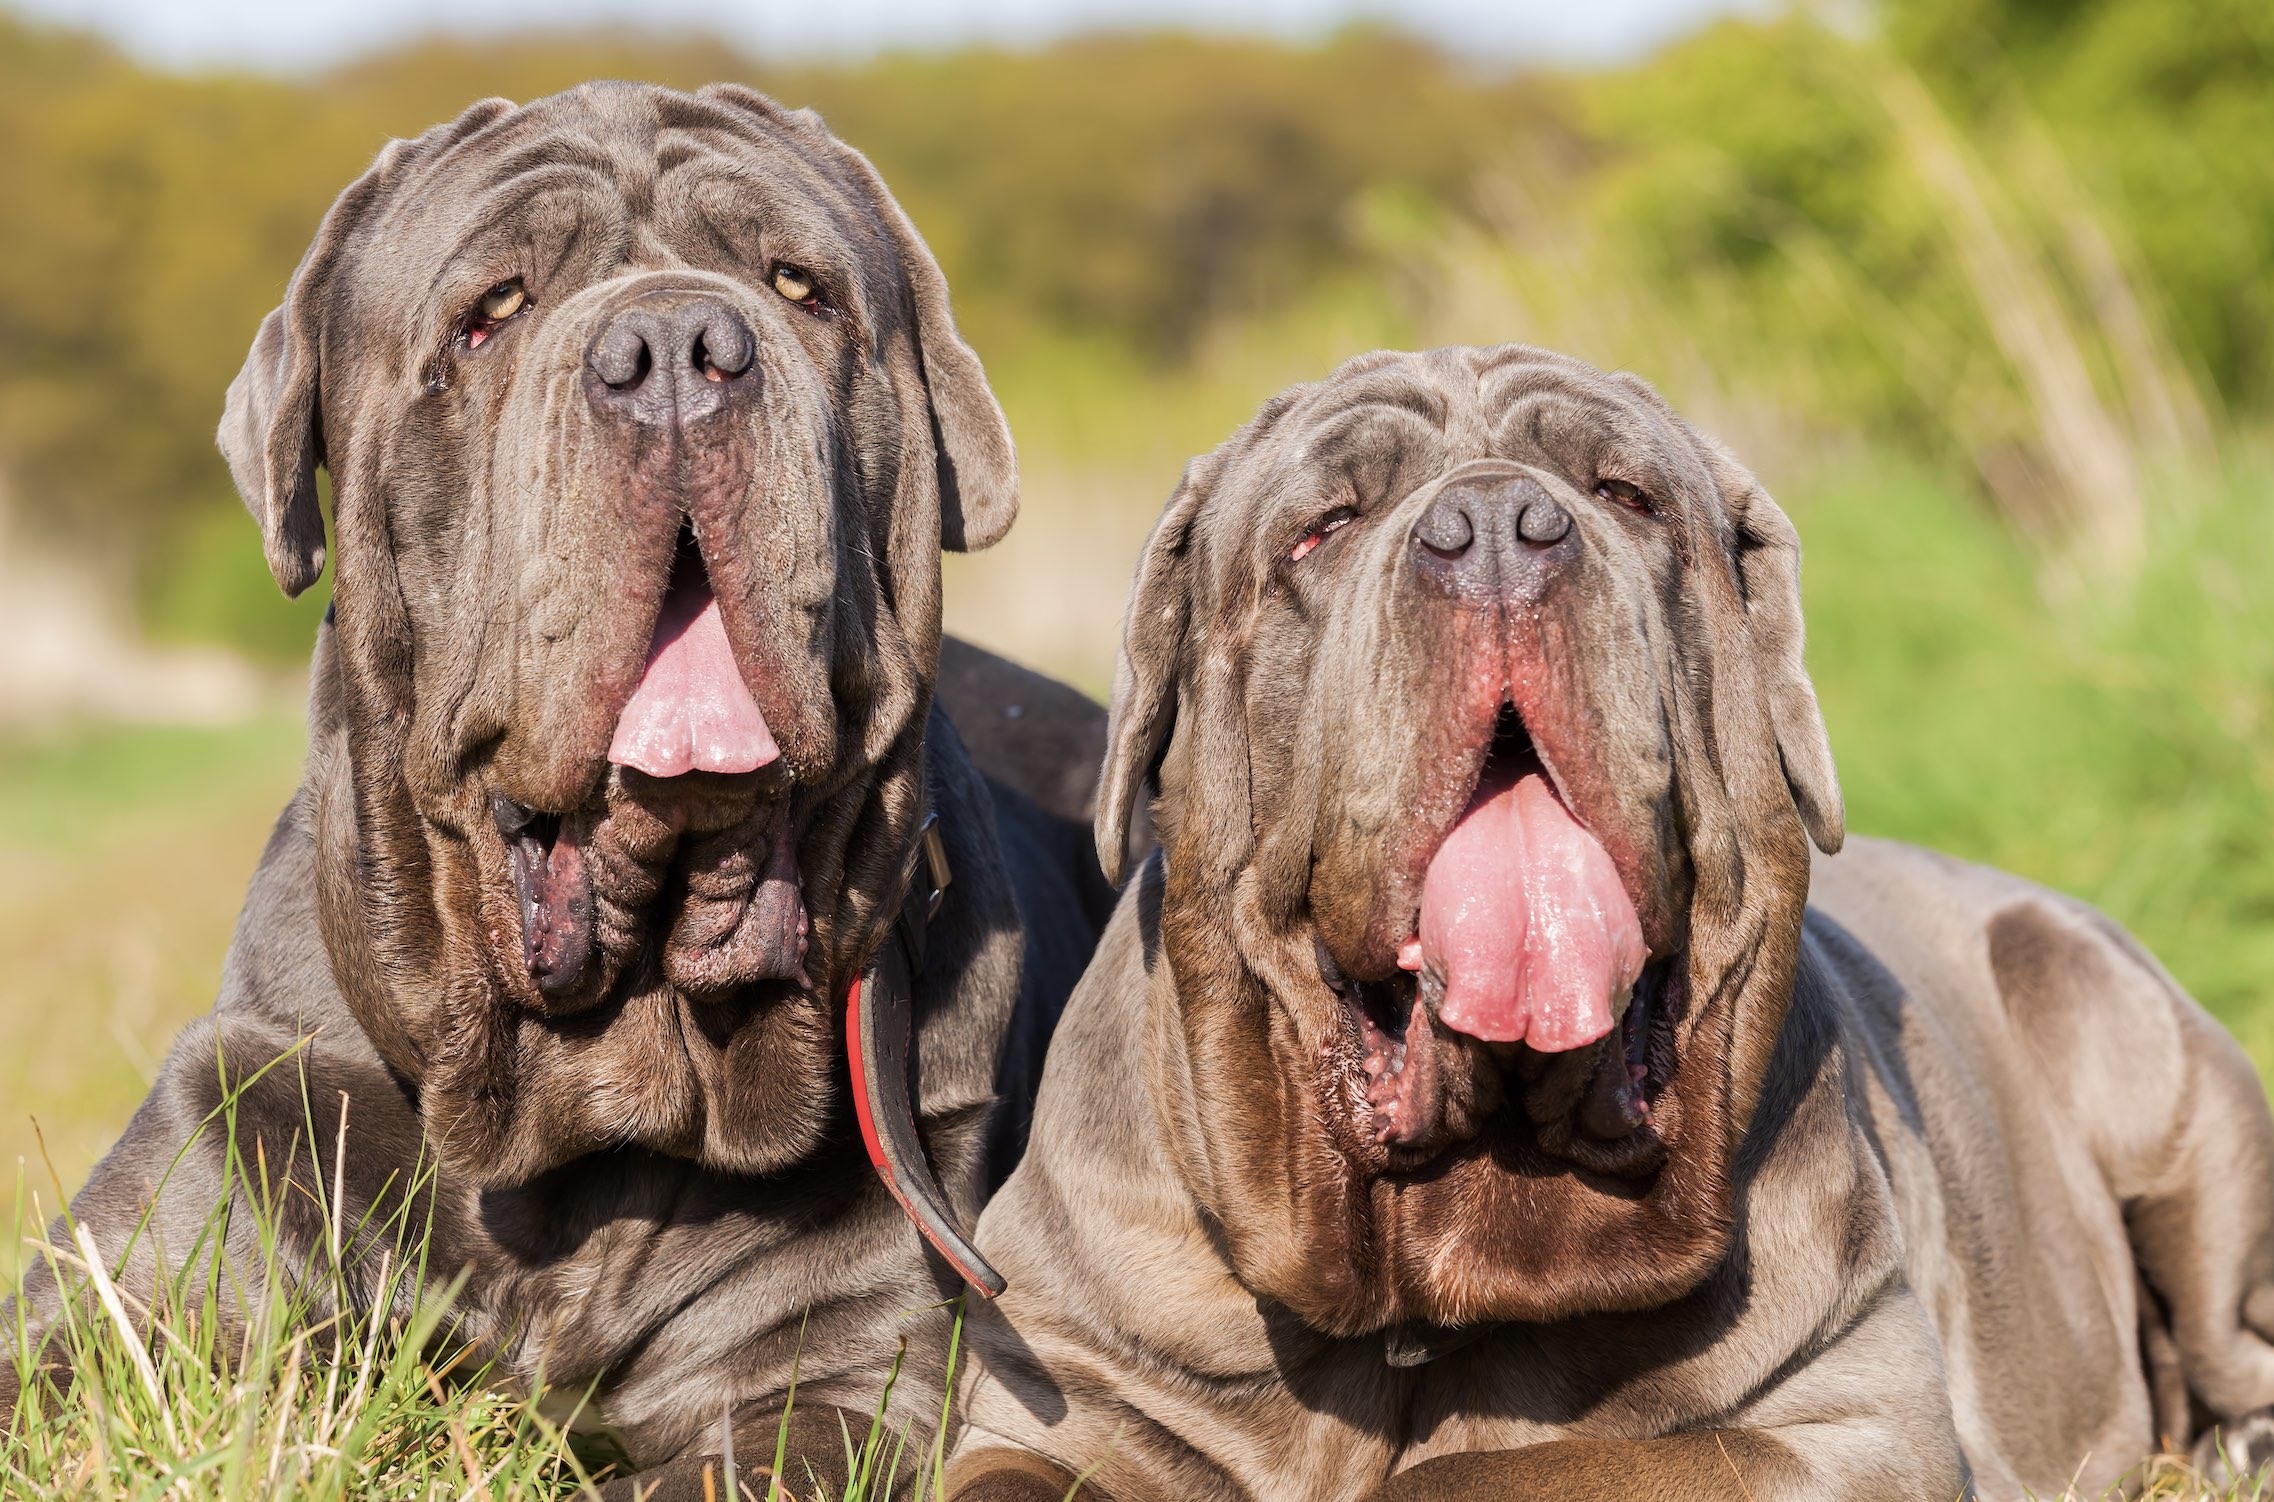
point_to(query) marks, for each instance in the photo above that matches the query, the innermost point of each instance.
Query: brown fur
(1008, 1476)
(1874, 1236)
(650, 1172)
(1035, 733)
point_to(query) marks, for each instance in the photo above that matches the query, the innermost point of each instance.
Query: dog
(1484, 1093)
(640, 902)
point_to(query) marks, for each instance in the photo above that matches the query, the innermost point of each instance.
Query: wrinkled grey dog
(1484, 1095)
(647, 422)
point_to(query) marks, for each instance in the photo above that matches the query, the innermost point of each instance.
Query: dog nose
(1446, 529)
(669, 356)
(1500, 535)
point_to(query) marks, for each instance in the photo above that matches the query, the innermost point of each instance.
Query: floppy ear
(979, 471)
(1768, 572)
(272, 430)
(273, 440)
(1145, 673)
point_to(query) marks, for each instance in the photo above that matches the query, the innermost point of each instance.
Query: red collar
(879, 1030)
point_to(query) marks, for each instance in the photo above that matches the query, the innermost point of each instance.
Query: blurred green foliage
(1759, 201)
(1973, 284)
(2110, 743)
(1133, 191)
(2168, 108)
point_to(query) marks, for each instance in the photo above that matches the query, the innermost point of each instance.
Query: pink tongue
(692, 711)
(1524, 920)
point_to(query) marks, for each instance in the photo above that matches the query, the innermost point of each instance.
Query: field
(1977, 288)
(2104, 744)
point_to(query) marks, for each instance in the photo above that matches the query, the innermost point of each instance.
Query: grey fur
(652, 1179)
(1962, 1109)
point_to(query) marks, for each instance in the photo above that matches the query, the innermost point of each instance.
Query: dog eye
(1633, 497)
(797, 284)
(503, 301)
(506, 300)
(1333, 521)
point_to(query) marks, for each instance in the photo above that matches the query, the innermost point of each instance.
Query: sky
(283, 35)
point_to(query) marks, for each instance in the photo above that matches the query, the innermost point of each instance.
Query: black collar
(879, 1029)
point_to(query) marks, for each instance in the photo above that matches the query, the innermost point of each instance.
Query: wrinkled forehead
(628, 175)
(1385, 425)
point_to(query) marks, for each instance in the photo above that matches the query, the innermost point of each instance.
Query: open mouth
(688, 811)
(692, 711)
(1524, 941)
(1525, 934)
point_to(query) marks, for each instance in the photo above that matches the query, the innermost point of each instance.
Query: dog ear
(1768, 574)
(272, 430)
(979, 471)
(1145, 674)
(273, 440)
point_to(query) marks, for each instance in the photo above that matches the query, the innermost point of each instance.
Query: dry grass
(123, 860)
(242, 1380)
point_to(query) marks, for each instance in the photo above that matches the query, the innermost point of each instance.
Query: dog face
(646, 421)
(1472, 683)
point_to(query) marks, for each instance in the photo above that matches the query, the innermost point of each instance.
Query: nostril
(1543, 523)
(621, 357)
(1445, 531)
(725, 345)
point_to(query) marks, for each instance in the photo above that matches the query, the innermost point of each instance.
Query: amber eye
(1633, 497)
(796, 284)
(1333, 521)
(499, 304)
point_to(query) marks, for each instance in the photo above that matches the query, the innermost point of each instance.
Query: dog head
(1472, 685)
(646, 422)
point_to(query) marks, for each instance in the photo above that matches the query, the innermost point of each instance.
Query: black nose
(1493, 534)
(669, 356)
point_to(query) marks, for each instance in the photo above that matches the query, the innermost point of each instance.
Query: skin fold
(1898, 1178)
(554, 356)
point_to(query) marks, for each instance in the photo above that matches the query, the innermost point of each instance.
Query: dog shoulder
(1116, 1283)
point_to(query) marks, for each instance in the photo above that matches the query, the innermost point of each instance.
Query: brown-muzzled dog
(1467, 1101)
(647, 422)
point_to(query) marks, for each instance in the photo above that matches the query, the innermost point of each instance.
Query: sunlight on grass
(248, 1376)
(124, 853)
(340, 1372)
(2108, 743)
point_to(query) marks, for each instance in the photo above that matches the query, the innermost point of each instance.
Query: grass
(124, 854)
(2106, 739)
(311, 1396)
(241, 1380)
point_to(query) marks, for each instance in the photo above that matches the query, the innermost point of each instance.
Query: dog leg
(2204, 1228)
(2178, 1121)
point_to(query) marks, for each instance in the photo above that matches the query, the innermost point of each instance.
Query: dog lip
(510, 817)
(552, 884)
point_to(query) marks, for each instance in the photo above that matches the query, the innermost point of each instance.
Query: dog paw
(2239, 1449)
